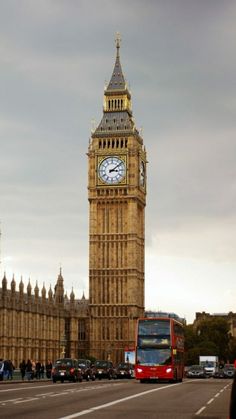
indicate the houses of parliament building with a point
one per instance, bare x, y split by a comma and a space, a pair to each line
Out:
44, 325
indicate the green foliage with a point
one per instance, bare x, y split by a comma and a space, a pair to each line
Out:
210, 337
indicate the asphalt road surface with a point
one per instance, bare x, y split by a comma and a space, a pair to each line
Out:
116, 399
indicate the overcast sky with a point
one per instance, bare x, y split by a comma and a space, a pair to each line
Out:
180, 62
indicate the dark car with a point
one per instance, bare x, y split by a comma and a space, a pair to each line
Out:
66, 369
1, 370
87, 369
226, 371
229, 371
196, 371
104, 369
124, 370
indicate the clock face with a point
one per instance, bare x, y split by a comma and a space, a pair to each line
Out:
111, 170
142, 173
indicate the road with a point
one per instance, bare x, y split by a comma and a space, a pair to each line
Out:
116, 399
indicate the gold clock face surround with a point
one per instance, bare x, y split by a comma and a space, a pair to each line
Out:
112, 170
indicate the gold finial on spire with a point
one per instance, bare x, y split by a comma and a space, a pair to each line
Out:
118, 40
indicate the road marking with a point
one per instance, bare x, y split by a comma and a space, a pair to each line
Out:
200, 410
92, 409
10, 400
26, 400
58, 394
34, 386
44, 394
210, 401
24, 388
53, 393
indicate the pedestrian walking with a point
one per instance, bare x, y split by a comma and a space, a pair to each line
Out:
29, 370
42, 371
22, 369
11, 369
37, 370
49, 369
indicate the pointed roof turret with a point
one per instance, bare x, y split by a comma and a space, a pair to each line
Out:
60, 274
36, 290
59, 289
117, 107
117, 81
72, 295
50, 294
29, 288
4, 282
43, 291
21, 286
13, 284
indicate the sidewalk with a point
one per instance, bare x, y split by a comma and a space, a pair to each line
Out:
17, 379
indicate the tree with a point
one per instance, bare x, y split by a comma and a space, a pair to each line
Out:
211, 336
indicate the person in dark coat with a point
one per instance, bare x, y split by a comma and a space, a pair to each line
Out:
11, 369
38, 369
29, 370
49, 369
22, 369
42, 371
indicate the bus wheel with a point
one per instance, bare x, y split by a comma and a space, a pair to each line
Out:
142, 380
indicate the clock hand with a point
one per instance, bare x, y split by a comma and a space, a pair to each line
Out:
114, 168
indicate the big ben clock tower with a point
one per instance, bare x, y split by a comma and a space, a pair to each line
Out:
117, 197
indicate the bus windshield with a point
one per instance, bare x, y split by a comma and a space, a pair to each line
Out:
153, 356
153, 333
154, 328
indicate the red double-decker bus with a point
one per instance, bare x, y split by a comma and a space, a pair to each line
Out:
159, 349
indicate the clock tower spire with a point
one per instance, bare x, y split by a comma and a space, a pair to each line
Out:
117, 199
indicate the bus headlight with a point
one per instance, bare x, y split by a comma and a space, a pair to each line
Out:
139, 370
168, 370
